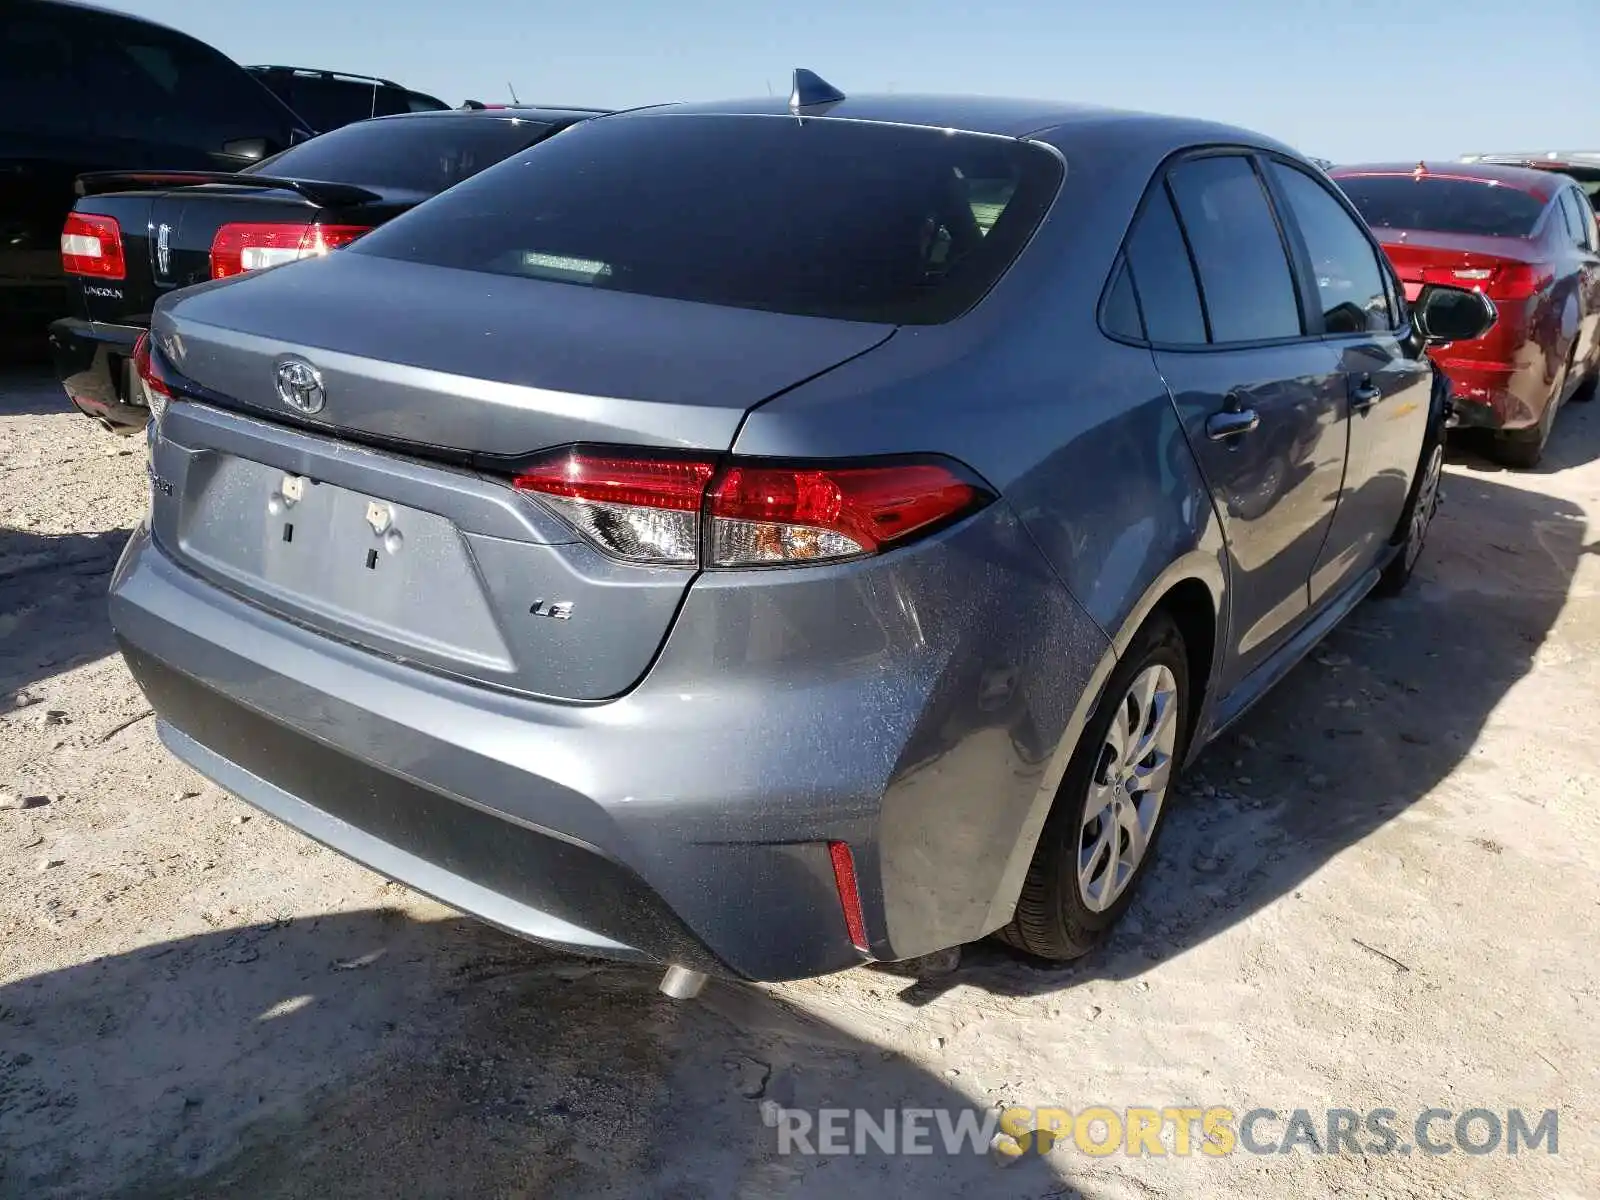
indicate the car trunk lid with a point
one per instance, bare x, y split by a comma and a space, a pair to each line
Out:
1461, 260
387, 517
169, 221
455, 362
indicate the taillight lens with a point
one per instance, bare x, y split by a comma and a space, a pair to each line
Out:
148, 370
1502, 281
665, 510
783, 515
91, 245
252, 246
643, 510
1517, 281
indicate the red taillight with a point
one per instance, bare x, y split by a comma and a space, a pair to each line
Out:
251, 246
92, 245
1498, 280
781, 514
654, 510
149, 373
844, 879
1518, 281
644, 510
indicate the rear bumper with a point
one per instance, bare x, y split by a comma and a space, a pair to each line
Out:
1499, 396
687, 822
91, 361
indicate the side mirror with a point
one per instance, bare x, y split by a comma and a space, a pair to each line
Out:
1451, 314
253, 148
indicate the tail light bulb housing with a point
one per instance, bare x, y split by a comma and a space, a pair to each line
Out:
243, 246
699, 511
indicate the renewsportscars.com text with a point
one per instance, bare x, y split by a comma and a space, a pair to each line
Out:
1214, 1132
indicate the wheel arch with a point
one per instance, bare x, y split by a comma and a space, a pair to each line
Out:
1193, 592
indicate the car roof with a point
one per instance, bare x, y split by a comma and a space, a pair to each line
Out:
318, 73
1537, 158
1580, 164
101, 10
1045, 120
513, 112
1525, 179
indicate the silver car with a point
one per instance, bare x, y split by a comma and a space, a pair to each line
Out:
764, 538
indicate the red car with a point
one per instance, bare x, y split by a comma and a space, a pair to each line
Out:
1528, 240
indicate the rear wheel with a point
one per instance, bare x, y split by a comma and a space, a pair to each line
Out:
1417, 519
1586, 389
1101, 834
1522, 449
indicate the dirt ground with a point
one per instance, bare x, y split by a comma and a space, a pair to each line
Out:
1380, 892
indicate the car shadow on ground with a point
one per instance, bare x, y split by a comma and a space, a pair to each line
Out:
30, 389
1375, 718
52, 605
1572, 443
371, 1054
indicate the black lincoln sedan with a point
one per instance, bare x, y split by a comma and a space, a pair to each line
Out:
135, 236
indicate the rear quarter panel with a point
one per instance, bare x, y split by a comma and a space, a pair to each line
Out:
1079, 436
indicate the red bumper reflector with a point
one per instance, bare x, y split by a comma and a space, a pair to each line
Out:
844, 878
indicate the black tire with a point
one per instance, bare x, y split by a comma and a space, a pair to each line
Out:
1587, 388
1521, 451
1052, 919
1422, 504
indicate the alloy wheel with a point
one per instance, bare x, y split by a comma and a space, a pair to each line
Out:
1128, 787
1427, 504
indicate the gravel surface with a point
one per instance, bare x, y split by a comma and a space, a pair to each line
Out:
1380, 892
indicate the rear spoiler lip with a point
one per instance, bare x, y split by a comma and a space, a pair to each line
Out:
320, 194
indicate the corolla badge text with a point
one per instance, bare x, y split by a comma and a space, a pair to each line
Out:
300, 385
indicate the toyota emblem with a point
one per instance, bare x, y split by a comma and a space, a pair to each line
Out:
300, 386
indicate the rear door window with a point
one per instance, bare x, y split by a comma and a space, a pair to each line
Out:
1350, 283
1163, 276
1588, 179
149, 84
85, 72
326, 103
1585, 209
413, 154
41, 90
1122, 306
1245, 282
1429, 203
1576, 211
843, 219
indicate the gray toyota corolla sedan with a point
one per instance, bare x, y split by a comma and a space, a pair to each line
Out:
767, 537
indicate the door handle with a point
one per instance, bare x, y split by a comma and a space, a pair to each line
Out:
1364, 395
1231, 422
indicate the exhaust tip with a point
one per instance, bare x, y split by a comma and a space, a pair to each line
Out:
680, 983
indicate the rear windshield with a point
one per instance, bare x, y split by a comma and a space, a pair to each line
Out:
815, 217
330, 103
427, 154
1443, 205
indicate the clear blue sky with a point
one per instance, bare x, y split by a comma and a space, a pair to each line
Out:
1360, 79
